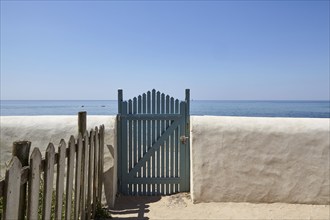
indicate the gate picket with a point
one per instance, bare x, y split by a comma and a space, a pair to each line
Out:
153, 139
134, 142
144, 99
182, 134
153, 151
187, 135
172, 150
130, 157
158, 136
139, 147
149, 140
163, 144
124, 150
177, 139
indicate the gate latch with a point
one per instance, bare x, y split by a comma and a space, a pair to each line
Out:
183, 139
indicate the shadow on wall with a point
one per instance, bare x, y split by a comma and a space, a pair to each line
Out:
132, 207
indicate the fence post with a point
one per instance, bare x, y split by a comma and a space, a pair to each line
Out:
21, 149
82, 122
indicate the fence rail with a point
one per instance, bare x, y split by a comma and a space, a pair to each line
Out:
79, 168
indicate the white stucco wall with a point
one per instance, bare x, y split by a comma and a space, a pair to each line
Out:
41, 130
233, 159
243, 159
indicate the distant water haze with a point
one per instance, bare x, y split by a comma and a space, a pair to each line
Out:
300, 109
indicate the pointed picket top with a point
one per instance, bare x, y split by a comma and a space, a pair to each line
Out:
62, 143
102, 128
50, 148
14, 163
156, 92
72, 140
36, 155
96, 130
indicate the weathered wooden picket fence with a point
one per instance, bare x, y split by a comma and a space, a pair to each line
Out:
79, 167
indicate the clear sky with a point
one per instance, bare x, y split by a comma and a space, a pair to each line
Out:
226, 50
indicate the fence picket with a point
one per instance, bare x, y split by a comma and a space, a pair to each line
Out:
48, 181
34, 184
90, 174
69, 179
60, 179
85, 157
78, 177
12, 189
95, 175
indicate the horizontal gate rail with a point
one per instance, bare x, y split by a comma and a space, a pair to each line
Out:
151, 117
153, 180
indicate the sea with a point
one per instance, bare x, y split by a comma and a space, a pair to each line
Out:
295, 109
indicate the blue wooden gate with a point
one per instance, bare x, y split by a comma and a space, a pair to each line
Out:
153, 144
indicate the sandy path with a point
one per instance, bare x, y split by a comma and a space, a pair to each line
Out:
179, 206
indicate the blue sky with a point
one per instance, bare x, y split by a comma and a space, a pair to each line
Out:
225, 50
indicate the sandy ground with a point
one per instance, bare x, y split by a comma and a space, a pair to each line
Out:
179, 206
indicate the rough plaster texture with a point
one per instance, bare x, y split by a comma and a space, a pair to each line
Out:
41, 130
241, 159
234, 159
